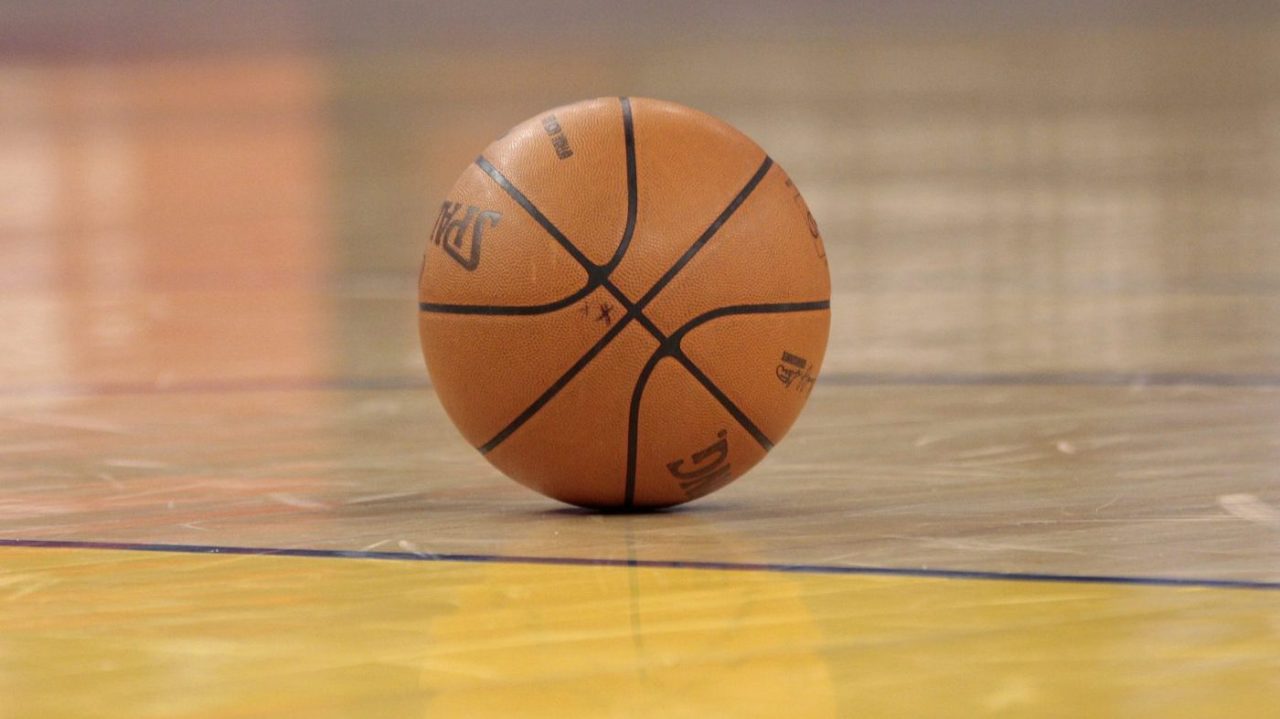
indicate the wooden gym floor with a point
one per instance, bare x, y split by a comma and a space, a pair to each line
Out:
1039, 477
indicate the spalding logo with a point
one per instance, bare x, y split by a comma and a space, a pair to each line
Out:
460, 236
711, 469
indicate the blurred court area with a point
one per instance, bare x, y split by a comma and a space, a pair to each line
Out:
1040, 475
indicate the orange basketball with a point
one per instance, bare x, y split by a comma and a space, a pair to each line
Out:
624, 303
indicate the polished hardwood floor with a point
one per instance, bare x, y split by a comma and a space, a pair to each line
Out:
1040, 475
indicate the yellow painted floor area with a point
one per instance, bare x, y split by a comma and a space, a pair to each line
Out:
152, 634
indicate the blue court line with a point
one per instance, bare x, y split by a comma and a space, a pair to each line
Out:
1191, 582
837, 379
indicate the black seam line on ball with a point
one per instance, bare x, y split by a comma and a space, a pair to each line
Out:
507, 309
769, 308
671, 348
707, 234
648, 324
633, 311
592, 268
555, 387
724, 400
633, 191
633, 424
596, 275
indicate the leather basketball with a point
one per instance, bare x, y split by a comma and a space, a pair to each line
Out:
624, 303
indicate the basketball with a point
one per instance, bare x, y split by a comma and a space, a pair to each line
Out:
624, 303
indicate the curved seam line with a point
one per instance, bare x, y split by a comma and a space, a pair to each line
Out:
634, 311
761, 308
670, 348
633, 423
596, 275
444, 308
633, 190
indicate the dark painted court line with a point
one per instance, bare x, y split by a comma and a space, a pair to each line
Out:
693, 565
836, 379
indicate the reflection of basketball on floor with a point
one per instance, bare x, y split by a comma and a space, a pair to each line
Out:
624, 303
